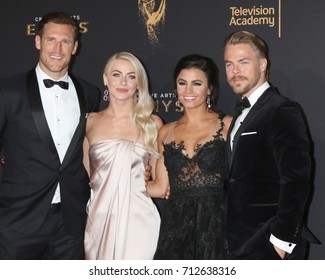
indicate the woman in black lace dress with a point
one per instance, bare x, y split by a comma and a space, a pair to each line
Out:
192, 166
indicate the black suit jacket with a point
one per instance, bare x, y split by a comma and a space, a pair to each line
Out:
269, 177
33, 169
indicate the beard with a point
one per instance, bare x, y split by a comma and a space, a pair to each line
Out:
244, 86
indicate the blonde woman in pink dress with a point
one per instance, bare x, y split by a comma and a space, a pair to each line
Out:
123, 222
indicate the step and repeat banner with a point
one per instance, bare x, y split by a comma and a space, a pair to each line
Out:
160, 32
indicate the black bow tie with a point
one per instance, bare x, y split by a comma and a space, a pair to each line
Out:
50, 83
241, 104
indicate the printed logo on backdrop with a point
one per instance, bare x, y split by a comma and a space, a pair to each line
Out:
166, 102
258, 13
31, 28
152, 14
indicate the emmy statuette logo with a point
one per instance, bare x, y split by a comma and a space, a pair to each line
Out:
152, 18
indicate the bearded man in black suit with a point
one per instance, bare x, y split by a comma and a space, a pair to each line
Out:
44, 187
269, 159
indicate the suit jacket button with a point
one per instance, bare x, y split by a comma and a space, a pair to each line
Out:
231, 180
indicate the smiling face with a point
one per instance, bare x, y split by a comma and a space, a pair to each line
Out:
56, 46
121, 79
245, 70
192, 87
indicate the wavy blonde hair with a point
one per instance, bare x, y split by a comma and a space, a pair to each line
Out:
141, 115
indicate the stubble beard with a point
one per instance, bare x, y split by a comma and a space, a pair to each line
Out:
242, 90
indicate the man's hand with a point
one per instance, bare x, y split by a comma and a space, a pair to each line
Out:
280, 252
166, 196
147, 173
147, 177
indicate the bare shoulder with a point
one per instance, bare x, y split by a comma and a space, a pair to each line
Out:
163, 132
92, 118
93, 115
159, 122
227, 120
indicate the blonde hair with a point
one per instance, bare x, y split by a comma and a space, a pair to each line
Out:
141, 115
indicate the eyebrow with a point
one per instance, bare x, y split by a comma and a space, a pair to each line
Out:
242, 59
197, 80
245, 58
122, 72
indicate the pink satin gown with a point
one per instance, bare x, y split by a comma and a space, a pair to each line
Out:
123, 222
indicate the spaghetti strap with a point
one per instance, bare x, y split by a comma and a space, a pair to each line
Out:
170, 131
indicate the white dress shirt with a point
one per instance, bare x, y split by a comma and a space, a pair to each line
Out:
286, 246
62, 112
252, 100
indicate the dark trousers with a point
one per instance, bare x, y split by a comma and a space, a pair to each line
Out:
50, 242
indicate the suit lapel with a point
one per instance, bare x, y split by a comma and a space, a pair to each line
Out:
229, 151
249, 118
38, 112
80, 130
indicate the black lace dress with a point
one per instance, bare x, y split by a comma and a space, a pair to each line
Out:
193, 218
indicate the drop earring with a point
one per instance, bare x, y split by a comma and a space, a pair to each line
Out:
209, 100
106, 94
136, 96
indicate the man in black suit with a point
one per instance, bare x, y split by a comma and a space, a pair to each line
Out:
44, 187
269, 159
